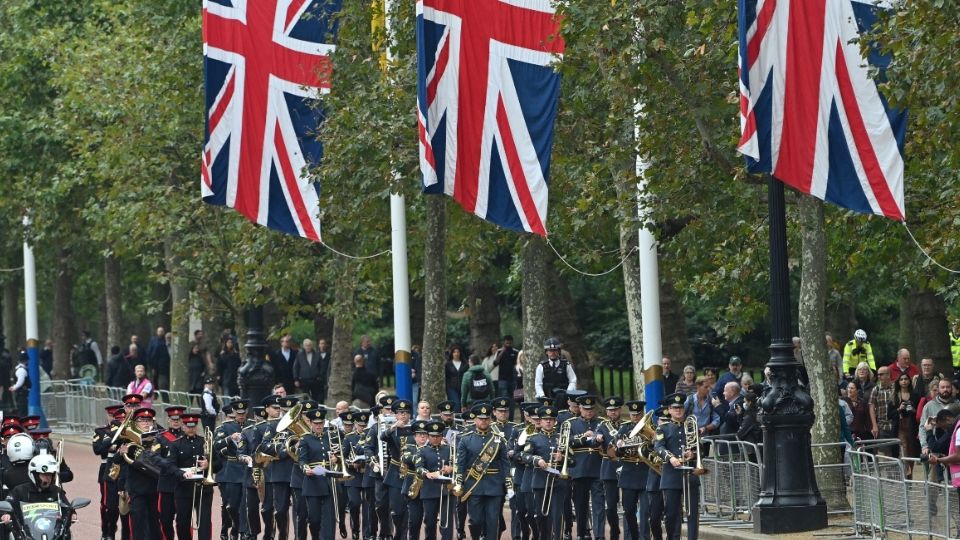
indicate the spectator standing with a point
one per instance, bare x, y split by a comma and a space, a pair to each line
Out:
931, 395
119, 371
944, 398
487, 362
158, 358
921, 382
21, 384
749, 430
134, 342
865, 378
308, 370
476, 384
453, 371
688, 381
88, 352
670, 379
363, 384
860, 407
141, 385
907, 422
6, 371
883, 412
46, 357
726, 406
371, 357
903, 364
747, 385
711, 374
699, 404
952, 461
506, 365
416, 363
734, 374
836, 359
283, 360
228, 362
196, 369
858, 350
133, 357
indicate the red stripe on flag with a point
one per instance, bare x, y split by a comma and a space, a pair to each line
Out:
425, 142
763, 24
293, 187
221, 106
801, 96
205, 169
516, 172
292, 11
438, 70
868, 157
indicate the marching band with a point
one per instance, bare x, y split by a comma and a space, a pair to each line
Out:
288, 471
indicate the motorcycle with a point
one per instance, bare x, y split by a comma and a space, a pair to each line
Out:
43, 520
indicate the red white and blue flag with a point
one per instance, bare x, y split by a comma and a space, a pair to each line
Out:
810, 113
264, 62
486, 104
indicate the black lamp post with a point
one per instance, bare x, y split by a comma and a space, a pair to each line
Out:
255, 376
789, 499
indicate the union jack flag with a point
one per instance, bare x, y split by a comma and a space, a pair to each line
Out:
264, 61
486, 104
810, 113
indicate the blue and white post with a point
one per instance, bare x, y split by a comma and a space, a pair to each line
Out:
402, 359
34, 406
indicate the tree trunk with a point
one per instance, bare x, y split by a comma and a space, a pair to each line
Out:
907, 336
931, 330
841, 322
417, 324
675, 342
112, 276
64, 335
179, 322
323, 326
631, 290
534, 266
341, 348
12, 322
821, 371
562, 323
432, 387
484, 316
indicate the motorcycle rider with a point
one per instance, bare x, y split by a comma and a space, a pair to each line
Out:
43, 470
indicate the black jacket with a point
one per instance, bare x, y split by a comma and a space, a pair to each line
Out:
119, 372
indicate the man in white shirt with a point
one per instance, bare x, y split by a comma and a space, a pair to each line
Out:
21, 387
554, 372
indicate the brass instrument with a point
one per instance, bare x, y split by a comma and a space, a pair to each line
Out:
691, 437
380, 466
563, 448
136, 456
642, 437
415, 486
263, 459
128, 430
208, 452
527, 432
336, 448
294, 426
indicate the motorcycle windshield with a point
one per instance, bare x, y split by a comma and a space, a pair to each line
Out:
40, 519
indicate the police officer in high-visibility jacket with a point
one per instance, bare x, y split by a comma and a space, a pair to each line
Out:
858, 350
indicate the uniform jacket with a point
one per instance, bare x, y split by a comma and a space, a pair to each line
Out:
312, 451
496, 477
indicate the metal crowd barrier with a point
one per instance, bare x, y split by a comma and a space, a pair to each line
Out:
77, 405
732, 486
888, 502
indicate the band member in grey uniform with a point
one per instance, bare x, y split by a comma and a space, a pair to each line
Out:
544, 459
316, 460
434, 464
586, 470
608, 430
670, 447
633, 478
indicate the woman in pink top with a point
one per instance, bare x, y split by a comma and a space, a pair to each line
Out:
141, 385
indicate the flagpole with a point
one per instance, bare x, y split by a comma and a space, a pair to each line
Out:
34, 406
401, 280
653, 391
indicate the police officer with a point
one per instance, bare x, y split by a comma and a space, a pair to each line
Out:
670, 447
543, 457
278, 481
633, 477
228, 443
167, 485
586, 469
609, 429
483, 471
316, 460
434, 467
553, 371
397, 438
192, 497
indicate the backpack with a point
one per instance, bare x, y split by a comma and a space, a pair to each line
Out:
479, 385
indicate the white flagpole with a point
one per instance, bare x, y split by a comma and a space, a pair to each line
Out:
653, 391
34, 407
401, 280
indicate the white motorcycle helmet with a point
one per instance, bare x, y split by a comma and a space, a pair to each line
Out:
20, 448
44, 463
860, 335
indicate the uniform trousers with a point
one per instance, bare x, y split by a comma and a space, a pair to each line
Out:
192, 501
655, 513
398, 511
300, 518
550, 523
109, 508
434, 515
320, 516
231, 494
583, 490
611, 498
673, 506
635, 514
342, 507
414, 518
355, 505
485, 514
369, 509
382, 506
281, 507
144, 517
251, 503
266, 512
167, 510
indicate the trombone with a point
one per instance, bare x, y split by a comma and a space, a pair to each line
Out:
207, 480
563, 447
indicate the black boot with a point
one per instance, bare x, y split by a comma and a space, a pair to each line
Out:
281, 527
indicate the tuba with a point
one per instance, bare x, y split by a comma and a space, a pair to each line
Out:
641, 438
295, 426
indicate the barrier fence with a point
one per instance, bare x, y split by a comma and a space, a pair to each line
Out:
78, 405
